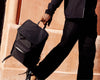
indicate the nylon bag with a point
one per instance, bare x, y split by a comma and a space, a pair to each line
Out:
29, 44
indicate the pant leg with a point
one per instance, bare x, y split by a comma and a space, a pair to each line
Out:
87, 50
59, 53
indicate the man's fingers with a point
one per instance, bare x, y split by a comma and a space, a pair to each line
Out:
44, 21
45, 18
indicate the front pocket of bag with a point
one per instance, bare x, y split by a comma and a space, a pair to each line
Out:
23, 46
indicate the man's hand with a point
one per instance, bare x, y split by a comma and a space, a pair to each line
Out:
45, 18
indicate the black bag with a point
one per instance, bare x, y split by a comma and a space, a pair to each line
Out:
29, 44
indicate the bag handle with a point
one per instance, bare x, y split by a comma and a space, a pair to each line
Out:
6, 58
44, 24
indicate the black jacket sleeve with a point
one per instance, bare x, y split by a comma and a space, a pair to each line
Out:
53, 5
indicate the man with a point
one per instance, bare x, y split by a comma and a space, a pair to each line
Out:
2, 10
81, 25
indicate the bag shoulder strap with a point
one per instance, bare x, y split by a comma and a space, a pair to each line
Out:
6, 58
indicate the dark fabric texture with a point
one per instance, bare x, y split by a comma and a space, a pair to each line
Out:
73, 8
29, 43
81, 25
72, 32
32, 32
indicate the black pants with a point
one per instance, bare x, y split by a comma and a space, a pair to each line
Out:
2, 10
83, 31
